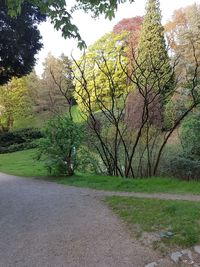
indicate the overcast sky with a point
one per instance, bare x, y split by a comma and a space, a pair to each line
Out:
91, 29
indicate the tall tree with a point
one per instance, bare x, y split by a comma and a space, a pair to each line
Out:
183, 33
20, 40
57, 80
152, 50
53, 91
152, 67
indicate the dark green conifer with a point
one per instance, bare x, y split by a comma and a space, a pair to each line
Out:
155, 69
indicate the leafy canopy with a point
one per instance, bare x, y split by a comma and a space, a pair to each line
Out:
60, 12
103, 73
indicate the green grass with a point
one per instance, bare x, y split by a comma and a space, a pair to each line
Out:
176, 222
39, 120
32, 121
76, 113
150, 185
23, 163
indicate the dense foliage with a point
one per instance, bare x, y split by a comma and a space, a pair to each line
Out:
152, 52
20, 40
19, 140
133, 27
190, 137
150, 73
62, 138
102, 62
14, 102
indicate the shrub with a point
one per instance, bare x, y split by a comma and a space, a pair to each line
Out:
190, 136
183, 168
89, 161
185, 163
19, 140
62, 138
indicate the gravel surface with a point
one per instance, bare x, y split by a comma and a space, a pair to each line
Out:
44, 224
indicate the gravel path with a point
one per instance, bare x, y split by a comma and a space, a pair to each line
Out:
166, 196
44, 224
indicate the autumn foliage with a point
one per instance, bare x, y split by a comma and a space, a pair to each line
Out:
133, 27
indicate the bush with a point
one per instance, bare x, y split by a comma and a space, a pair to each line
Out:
62, 138
19, 140
185, 163
176, 163
190, 136
183, 168
89, 161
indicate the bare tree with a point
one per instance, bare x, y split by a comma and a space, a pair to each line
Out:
134, 151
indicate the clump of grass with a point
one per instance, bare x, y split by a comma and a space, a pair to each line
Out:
179, 218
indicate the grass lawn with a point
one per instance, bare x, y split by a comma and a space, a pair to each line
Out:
39, 120
36, 121
176, 223
24, 163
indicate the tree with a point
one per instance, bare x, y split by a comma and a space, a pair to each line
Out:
37, 95
133, 152
133, 27
20, 40
183, 34
152, 65
53, 92
101, 60
61, 12
13, 102
57, 82
152, 50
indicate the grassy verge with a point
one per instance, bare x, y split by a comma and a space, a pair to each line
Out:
24, 163
174, 223
149, 185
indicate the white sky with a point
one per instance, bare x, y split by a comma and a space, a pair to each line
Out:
91, 29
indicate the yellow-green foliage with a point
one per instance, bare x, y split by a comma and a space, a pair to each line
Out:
13, 102
104, 77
